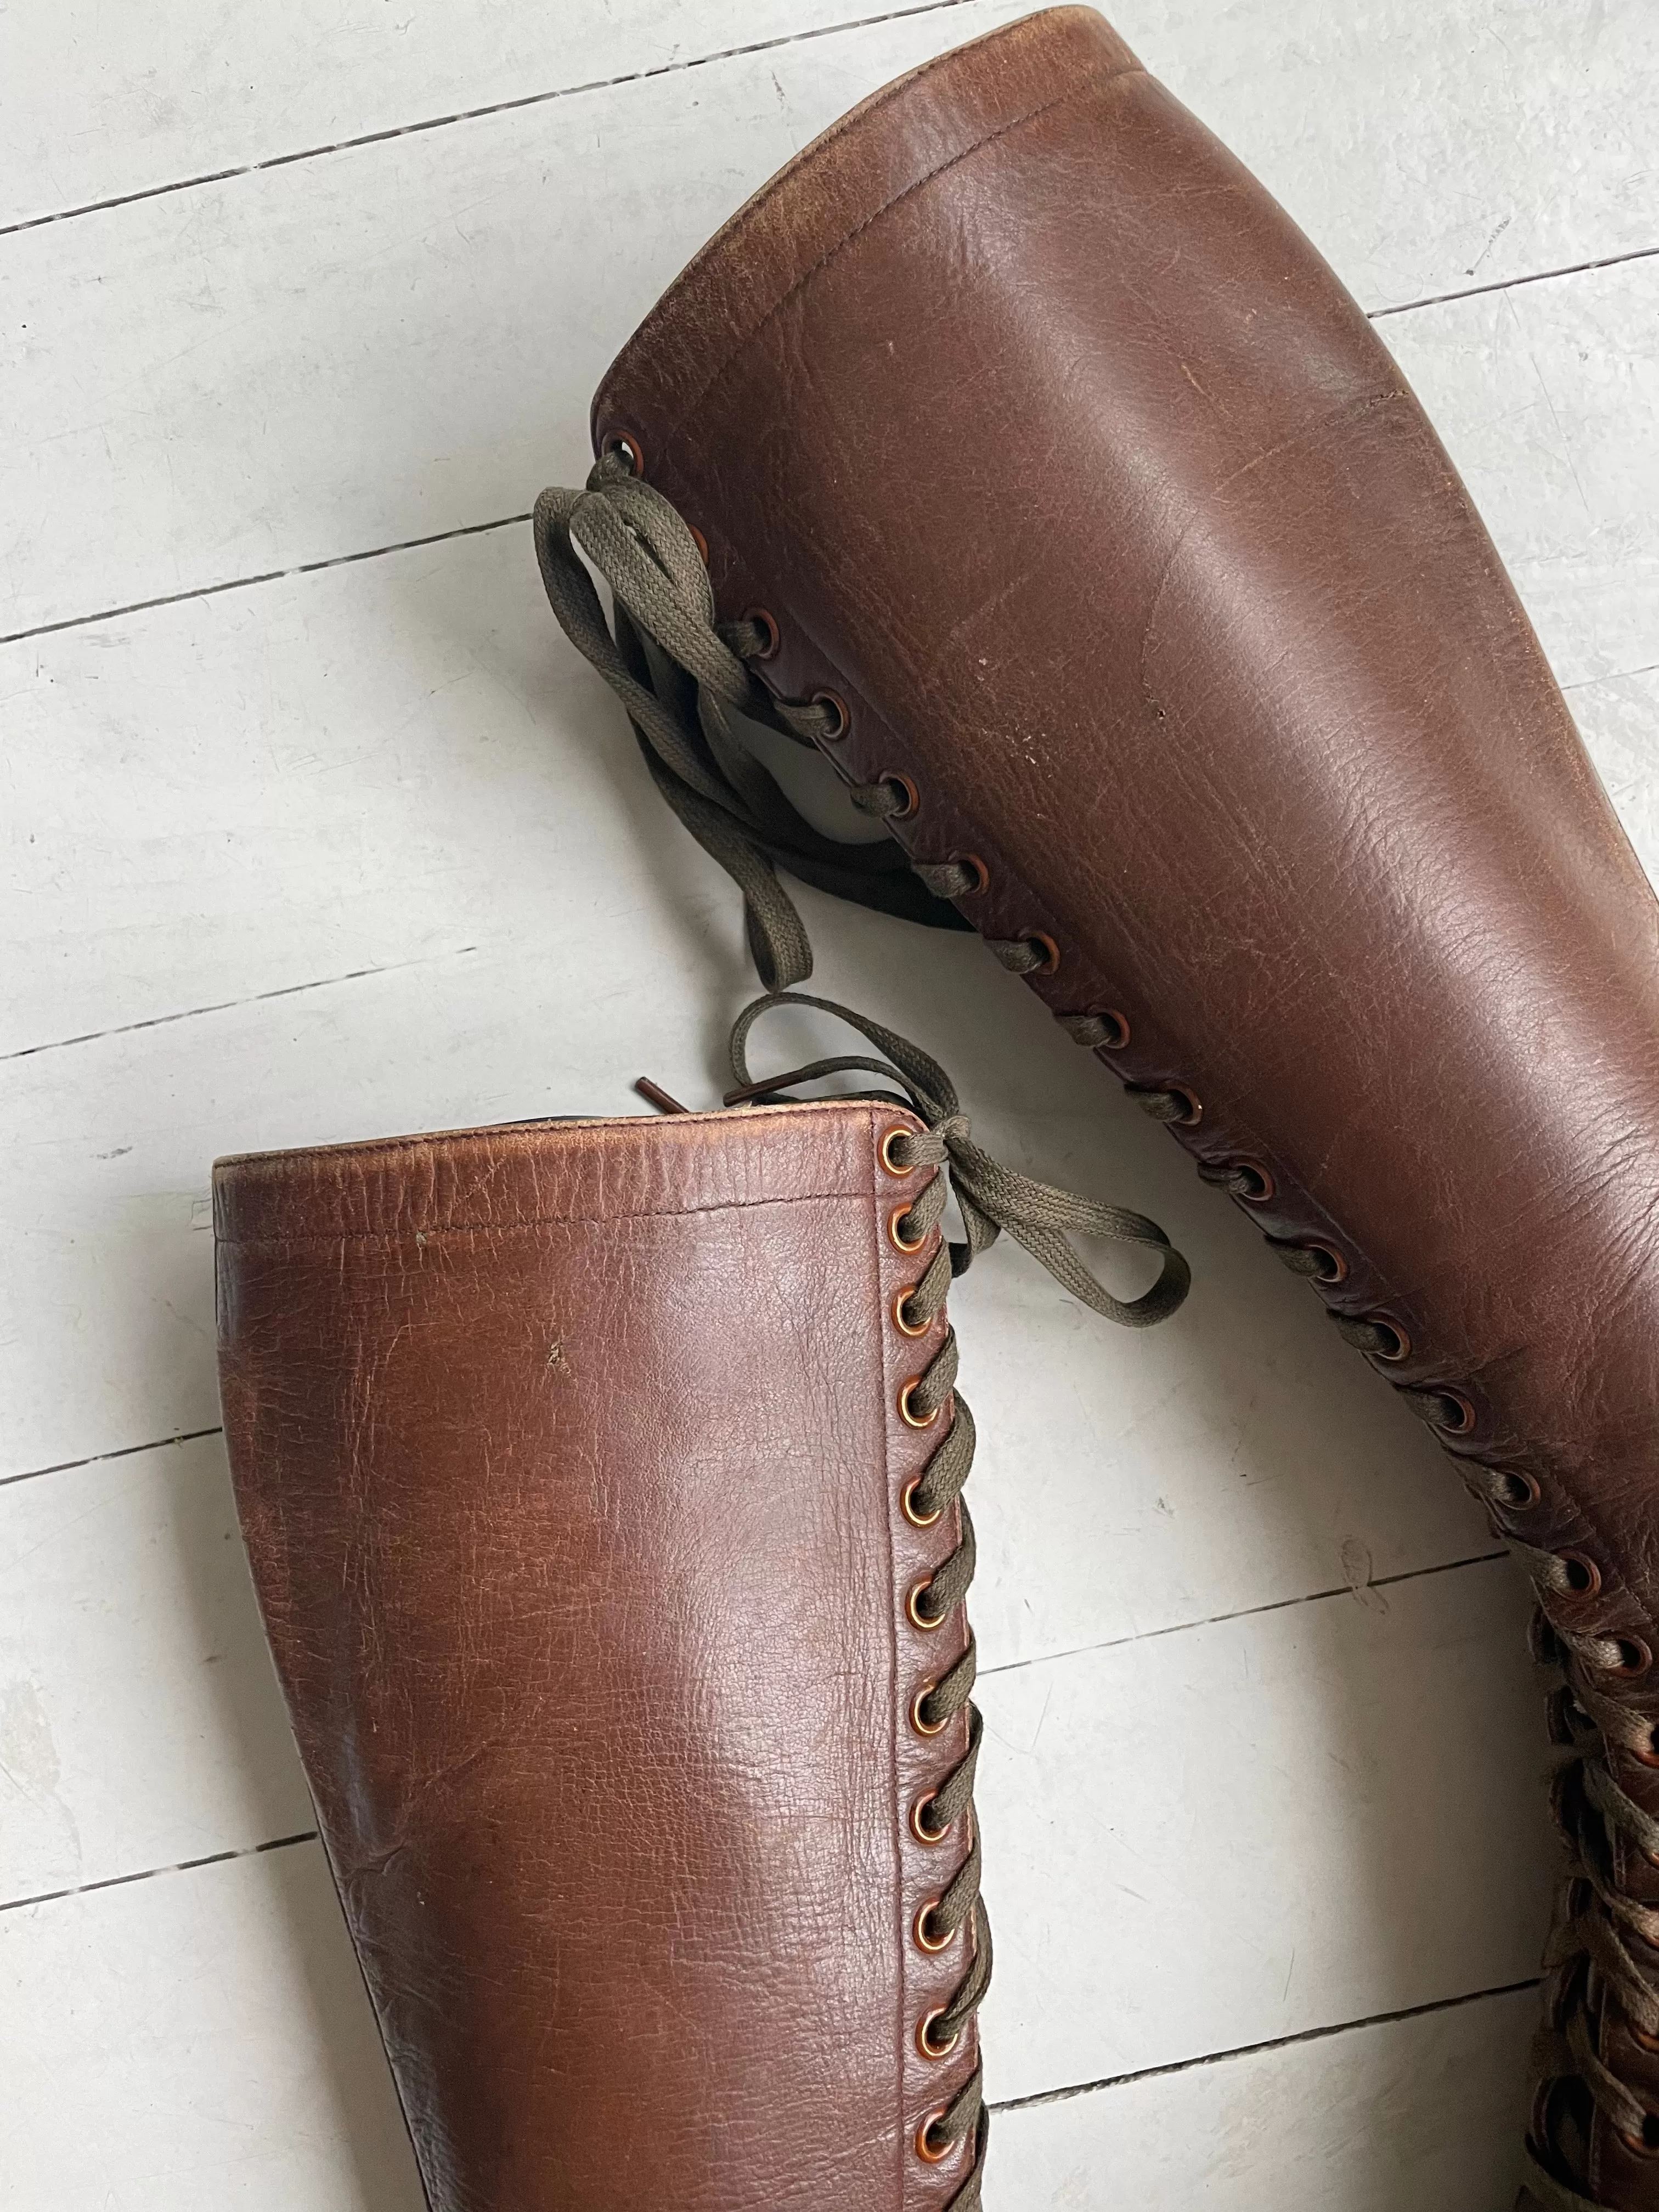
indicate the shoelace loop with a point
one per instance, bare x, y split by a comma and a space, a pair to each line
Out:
681, 675
989, 1196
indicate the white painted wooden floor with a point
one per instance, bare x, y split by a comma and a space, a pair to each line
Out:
315, 829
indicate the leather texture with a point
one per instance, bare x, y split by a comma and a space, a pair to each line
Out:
569, 1466
1062, 459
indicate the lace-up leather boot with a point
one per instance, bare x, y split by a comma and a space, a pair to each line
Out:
601, 1486
1051, 483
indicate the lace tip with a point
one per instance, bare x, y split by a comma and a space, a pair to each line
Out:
654, 1094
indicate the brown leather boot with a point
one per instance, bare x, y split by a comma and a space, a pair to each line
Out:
1050, 483
601, 1482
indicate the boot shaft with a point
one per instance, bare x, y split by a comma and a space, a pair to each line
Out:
573, 1472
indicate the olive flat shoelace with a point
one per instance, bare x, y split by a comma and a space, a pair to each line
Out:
680, 675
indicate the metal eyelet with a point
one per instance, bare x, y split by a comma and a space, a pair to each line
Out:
700, 541
1527, 1486
887, 1143
928, 2146
837, 707
624, 441
972, 861
899, 1244
1464, 1410
912, 796
1335, 1267
768, 623
920, 1726
914, 1420
1590, 1574
1051, 951
931, 1944
1263, 1189
919, 1828
1192, 1111
925, 1622
1630, 1670
1402, 1343
919, 1520
1641, 2144
925, 2043
908, 1328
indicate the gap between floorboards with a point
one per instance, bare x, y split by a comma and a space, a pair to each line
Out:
473, 115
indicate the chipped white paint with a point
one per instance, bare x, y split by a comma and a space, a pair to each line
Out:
381, 823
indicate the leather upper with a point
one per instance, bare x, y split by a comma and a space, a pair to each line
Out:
1060, 457
569, 1467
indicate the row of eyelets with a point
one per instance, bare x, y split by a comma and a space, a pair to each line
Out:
932, 2147
1625, 1656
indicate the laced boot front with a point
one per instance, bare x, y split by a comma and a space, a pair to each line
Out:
1014, 449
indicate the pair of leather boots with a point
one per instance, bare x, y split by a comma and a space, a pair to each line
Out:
602, 1480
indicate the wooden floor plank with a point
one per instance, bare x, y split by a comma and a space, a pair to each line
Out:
1203, 1841
1423, 2114
200, 2042
106, 103
140, 1721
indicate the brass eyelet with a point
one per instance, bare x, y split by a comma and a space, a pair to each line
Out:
1192, 1105
624, 441
1464, 1410
908, 1328
920, 1726
1120, 1024
768, 623
931, 1944
1640, 2144
919, 1828
922, 1620
918, 1520
1590, 1580
887, 1143
1402, 1343
1529, 1489
911, 1419
898, 1243
928, 2146
912, 796
1631, 1670
1050, 951
1639, 2035
925, 2043
983, 874
700, 541
1335, 1267
1264, 1182
837, 707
